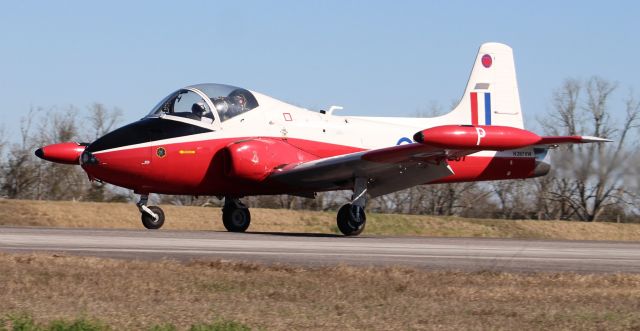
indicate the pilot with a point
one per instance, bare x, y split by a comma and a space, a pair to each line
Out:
241, 101
222, 106
198, 109
238, 105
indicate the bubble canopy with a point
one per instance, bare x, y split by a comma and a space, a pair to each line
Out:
206, 102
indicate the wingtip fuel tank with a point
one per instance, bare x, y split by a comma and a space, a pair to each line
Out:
484, 137
65, 153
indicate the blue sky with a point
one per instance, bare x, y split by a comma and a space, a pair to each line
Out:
381, 58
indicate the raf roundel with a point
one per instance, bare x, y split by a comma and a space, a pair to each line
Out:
487, 61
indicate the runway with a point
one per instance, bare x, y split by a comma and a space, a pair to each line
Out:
466, 254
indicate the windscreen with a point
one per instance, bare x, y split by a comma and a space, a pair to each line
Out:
184, 103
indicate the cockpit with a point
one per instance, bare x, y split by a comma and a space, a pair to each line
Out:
206, 103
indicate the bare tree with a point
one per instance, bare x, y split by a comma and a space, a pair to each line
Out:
102, 120
513, 199
431, 109
59, 181
589, 178
632, 178
3, 166
565, 110
26, 177
445, 199
3, 140
19, 169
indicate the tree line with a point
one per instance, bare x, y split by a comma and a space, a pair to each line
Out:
24, 176
591, 182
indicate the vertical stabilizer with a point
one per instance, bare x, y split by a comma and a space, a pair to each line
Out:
491, 96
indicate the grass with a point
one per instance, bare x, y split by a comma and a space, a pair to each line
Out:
24, 322
99, 294
126, 216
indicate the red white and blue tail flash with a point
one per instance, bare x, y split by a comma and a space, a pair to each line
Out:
480, 108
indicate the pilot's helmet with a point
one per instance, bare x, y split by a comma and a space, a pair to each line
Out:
240, 100
221, 105
198, 108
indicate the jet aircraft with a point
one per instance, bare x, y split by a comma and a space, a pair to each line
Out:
227, 141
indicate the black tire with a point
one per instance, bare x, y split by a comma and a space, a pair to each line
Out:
236, 219
351, 220
151, 223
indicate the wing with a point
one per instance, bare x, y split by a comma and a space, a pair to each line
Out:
388, 169
395, 168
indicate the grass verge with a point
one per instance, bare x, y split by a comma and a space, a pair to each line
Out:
167, 295
24, 322
122, 215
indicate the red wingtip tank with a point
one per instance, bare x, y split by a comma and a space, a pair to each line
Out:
480, 137
65, 153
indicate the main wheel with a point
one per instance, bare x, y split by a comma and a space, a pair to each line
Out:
151, 223
236, 219
351, 220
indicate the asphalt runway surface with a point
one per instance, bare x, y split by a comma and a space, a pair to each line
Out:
465, 254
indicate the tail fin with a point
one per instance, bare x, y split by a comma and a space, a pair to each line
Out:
491, 96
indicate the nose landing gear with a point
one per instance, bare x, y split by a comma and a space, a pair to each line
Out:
152, 216
235, 215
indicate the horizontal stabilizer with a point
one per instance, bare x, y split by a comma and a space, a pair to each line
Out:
554, 140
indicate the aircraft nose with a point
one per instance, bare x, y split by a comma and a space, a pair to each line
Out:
40, 153
131, 134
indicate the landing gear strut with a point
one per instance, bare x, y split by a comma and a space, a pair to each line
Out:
351, 217
235, 215
152, 216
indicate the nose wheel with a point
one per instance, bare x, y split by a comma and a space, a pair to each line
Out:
235, 215
152, 216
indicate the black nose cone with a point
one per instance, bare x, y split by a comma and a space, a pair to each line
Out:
40, 153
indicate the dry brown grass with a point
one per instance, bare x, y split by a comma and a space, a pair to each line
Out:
121, 215
138, 294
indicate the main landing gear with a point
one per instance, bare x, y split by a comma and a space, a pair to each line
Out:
235, 215
351, 217
152, 216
